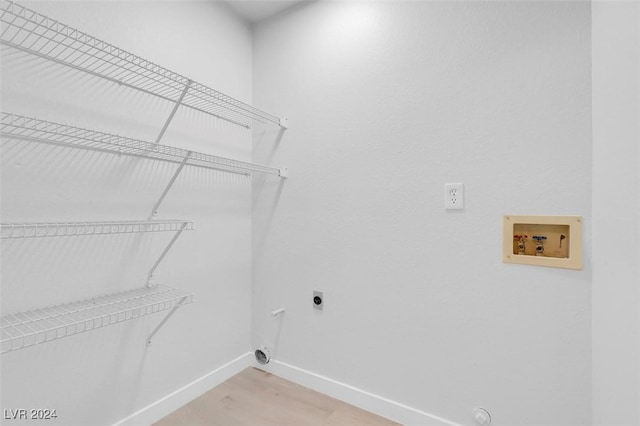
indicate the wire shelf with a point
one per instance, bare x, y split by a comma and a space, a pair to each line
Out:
29, 31
24, 329
33, 129
71, 229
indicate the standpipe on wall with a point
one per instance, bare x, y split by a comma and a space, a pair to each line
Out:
263, 354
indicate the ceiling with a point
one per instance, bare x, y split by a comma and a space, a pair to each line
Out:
256, 10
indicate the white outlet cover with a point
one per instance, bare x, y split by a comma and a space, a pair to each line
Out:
454, 196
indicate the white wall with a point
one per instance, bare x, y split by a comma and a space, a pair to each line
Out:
387, 102
103, 376
616, 211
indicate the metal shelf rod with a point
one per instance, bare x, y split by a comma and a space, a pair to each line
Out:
24, 329
173, 112
36, 130
74, 229
154, 210
36, 34
164, 253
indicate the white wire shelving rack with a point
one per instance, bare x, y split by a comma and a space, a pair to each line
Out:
36, 130
24, 329
35, 34
72, 229
42, 325
29, 31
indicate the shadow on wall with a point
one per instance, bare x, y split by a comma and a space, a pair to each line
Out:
265, 146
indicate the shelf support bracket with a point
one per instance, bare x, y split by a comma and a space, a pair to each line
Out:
154, 210
173, 112
164, 253
165, 319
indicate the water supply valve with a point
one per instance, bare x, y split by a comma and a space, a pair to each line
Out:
539, 244
520, 243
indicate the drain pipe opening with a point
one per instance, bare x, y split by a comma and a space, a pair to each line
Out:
262, 355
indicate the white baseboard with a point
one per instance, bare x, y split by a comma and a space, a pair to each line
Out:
167, 405
376, 404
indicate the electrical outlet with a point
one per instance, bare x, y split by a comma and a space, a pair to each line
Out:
454, 196
318, 300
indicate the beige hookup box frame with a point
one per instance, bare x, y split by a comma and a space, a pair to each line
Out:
554, 241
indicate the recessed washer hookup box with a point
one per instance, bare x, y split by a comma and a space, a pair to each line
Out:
554, 241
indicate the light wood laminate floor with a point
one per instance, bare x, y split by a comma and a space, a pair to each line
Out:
257, 398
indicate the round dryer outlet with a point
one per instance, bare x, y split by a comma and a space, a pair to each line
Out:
318, 300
